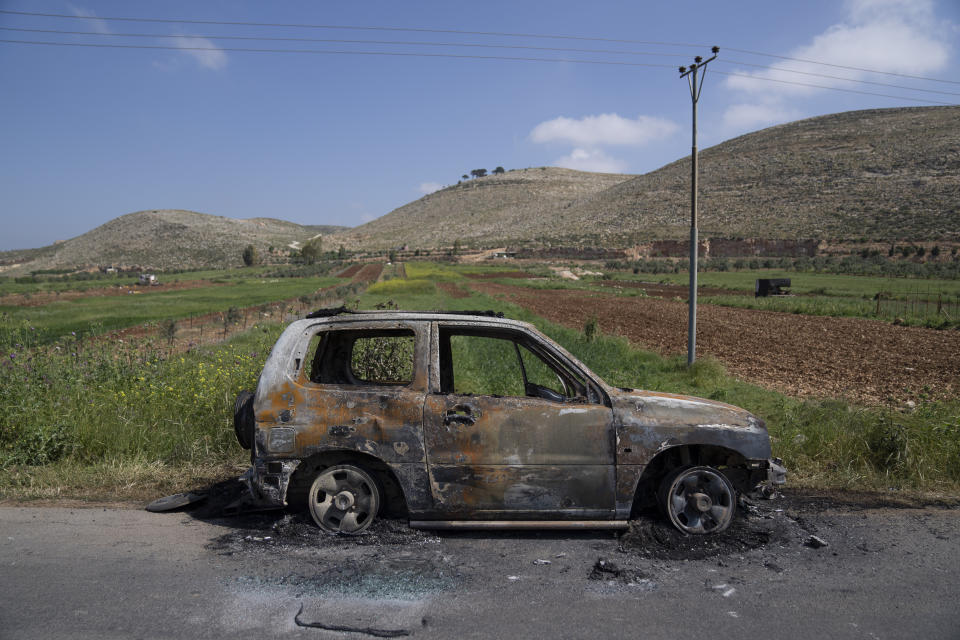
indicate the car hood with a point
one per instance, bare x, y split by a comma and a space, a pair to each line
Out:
655, 421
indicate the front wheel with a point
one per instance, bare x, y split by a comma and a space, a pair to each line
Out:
698, 500
344, 499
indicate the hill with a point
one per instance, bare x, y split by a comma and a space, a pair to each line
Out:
879, 174
164, 239
489, 210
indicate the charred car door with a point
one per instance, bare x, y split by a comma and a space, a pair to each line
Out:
512, 431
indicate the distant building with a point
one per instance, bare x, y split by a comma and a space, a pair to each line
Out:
148, 279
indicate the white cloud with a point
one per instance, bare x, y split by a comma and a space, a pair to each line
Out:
603, 129
100, 26
429, 187
207, 54
590, 160
900, 36
746, 117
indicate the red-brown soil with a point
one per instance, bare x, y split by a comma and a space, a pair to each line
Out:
453, 290
369, 272
350, 271
42, 298
862, 360
521, 275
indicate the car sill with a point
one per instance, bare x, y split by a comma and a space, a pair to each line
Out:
519, 524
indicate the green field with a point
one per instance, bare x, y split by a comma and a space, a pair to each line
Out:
100, 280
95, 314
827, 284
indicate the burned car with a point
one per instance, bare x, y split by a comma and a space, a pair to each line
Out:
472, 420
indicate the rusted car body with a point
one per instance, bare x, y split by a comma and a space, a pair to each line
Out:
558, 447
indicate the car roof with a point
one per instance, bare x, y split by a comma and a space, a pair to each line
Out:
347, 316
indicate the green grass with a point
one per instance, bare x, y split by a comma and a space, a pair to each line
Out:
77, 416
95, 314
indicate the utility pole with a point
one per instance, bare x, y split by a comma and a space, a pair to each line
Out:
696, 86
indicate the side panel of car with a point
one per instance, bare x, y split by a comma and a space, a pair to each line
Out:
517, 455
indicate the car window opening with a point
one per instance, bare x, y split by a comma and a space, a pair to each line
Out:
378, 358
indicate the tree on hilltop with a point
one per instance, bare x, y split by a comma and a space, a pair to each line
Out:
478, 173
499, 170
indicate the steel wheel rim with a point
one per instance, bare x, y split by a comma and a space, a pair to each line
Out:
343, 500
700, 501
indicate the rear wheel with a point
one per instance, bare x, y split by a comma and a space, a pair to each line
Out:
698, 500
344, 499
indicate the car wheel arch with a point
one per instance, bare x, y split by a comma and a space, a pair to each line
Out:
728, 461
393, 500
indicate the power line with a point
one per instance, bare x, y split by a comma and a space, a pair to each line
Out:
824, 75
464, 32
840, 66
347, 41
343, 27
465, 45
335, 52
829, 88
454, 56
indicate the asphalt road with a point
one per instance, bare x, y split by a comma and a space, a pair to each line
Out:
887, 572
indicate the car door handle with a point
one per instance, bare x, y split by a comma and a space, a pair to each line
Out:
461, 414
461, 419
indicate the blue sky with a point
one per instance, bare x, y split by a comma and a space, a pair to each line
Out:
91, 133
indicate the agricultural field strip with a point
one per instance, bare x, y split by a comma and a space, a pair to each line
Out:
110, 313
806, 282
910, 302
100, 281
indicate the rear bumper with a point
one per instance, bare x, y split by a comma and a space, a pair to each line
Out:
268, 482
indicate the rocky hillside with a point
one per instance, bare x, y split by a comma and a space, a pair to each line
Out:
164, 239
880, 174
484, 211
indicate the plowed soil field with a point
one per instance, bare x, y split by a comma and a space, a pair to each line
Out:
369, 273
863, 360
350, 271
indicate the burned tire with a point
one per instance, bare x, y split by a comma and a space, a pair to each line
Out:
344, 499
698, 500
243, 419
